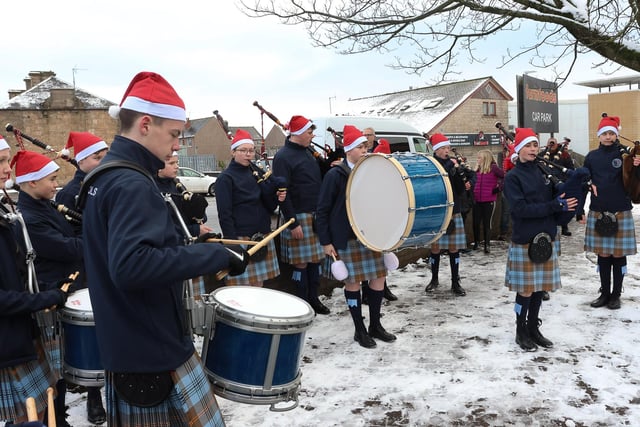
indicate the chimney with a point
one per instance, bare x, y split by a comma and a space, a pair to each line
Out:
14, 92
37, 77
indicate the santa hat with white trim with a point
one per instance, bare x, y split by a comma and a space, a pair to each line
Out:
352, 137
149, 93
299, 124
32, 166
609, 123
523, 137
84, 144
438, 140
3, 143
241, 137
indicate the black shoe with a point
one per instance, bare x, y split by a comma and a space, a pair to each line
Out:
319, 307
537, 337
381, 334
474, 246
487, 250
457, 289
388, 295
545, 296
601, 301
566, 232
614, 303
433, 284
364, 339
524, 340
95, 411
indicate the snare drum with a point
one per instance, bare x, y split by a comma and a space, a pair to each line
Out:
398, 200
81, 361
255, 345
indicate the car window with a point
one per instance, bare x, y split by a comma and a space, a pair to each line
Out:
189, 173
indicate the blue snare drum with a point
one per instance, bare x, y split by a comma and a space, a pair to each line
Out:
81, 361
398, 200
255, 345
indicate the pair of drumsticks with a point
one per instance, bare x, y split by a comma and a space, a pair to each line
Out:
32, 411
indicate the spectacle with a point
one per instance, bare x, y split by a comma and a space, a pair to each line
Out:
245, 151
368, 134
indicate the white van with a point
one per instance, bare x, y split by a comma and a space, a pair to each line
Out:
402, 136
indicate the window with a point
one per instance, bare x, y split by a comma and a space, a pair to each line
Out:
488, 108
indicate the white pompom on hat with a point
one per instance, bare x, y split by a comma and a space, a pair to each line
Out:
241, 137
609, 123
352, 137
84, 144
32, 166
149, 93
438, 140
523, 137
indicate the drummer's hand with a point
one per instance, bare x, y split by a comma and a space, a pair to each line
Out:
467, 185
63, 290
594, 190
205, 229
329, 250
636, 160
297, 233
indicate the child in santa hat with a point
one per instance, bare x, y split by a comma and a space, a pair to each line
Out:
338, 240
532, 262
610, 206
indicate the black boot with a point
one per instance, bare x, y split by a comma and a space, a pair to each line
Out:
619, 269
536, 336
355, 309
313, 283
434, 262
486, 246
545, 296
522, 332
364, 287
95, 411
604, 269
454, 260
565, 230
377, 331
375, 328
388, 295
363, 338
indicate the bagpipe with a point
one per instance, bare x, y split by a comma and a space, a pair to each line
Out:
573, 183
192, 207
630, 173
18, 134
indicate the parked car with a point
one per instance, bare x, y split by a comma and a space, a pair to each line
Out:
196, 182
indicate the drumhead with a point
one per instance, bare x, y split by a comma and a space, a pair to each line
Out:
79, 301
380, 203
262, 302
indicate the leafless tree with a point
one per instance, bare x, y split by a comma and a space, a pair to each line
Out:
439, 31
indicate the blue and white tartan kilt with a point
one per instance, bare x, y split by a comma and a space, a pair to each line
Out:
190, 403
30, 379
454, 241
199, 287
258, 272
622, 244
362, 263
524, 276
308, 249
52, 341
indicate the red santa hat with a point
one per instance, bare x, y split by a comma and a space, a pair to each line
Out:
149, 93
352, 137
32, 166
609, 123
84, 144
383, 147
438, 140
3, 143
523, 137
241, 137
299, 124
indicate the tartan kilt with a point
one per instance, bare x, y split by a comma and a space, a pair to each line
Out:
302, 251
454, 241
524, 276
622, 244
190, 403
52, 341
362, 263
30, 379
258, 272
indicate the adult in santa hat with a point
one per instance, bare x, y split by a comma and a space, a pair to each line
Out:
454, 239
532, 263
137, 261
299, 243
610, 231
338, 240
245, 206
383, 147
59, 251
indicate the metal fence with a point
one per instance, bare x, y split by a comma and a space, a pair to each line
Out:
200, 163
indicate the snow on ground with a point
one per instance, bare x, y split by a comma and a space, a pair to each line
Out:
455, 361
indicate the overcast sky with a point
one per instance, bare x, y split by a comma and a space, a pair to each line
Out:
216, 58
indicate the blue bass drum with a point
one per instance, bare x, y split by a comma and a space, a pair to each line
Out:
398, 200
81, 360
253, 351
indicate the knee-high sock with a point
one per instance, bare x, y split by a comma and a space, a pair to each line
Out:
434, 262
454, 260
604, 268
375, 302
534, 308
313, 277
521, 308
355, 308
59, 402
619, 270
299, 277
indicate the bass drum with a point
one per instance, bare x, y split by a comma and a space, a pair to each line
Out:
398, 200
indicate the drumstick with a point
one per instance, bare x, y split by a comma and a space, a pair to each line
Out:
232, 241
51, 410
65, 287
32, 411
221, 274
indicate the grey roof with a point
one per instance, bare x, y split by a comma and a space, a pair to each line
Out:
423, 107
194, 126
613, 81
34, 98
